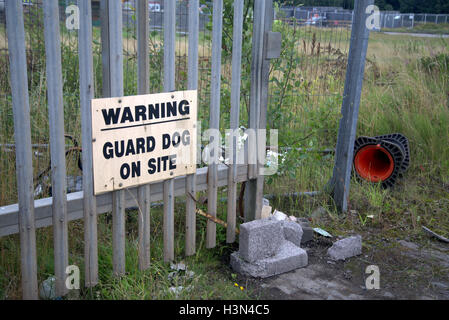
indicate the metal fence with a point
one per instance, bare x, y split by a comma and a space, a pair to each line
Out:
320, 52
35, 49
334, 16
319, 16
29, 213
309, 75
410, 20
157, 16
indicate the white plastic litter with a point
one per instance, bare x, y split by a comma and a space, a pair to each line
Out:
322, 232
279, 215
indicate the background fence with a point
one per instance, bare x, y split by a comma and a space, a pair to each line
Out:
335, 16
411, 20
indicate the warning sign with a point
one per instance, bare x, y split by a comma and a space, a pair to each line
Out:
142, 139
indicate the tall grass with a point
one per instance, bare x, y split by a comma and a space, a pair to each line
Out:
409, 94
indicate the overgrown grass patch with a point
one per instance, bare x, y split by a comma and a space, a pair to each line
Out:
431, 28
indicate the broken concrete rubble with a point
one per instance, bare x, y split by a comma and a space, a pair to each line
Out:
279, 215
288, 258
346, 248
292, 232
307, 230
269, 247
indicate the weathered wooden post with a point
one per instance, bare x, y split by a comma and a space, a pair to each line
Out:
340, 181
57, 142
169, 85
214, 119
192, 84
234, 121
115, 75
22, 135
143, 87
86, 96
106, 78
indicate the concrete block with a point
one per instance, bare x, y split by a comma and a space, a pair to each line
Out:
307, 230
260, 239
292, 232
239, 265
307, 234
304, 222
288, 258
346, 248
266, 212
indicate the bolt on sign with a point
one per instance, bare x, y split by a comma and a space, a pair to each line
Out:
142, 139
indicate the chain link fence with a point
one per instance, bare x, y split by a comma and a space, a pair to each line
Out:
335, 16
410, 20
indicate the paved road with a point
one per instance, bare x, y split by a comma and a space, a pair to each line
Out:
421, 35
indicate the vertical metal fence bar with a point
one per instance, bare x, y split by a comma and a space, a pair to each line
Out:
169, 224
87, 90
234, 121
22, 134
57, 141
143, 197
256, 67
262, 124
116, 83
214, 122
106, 78
169, 85
192, 84
252, 206
143, 79
118, 232
341, 178
143, 30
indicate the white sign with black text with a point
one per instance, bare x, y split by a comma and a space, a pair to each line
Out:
142, 139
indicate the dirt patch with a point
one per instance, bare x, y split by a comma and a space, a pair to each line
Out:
405, 273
